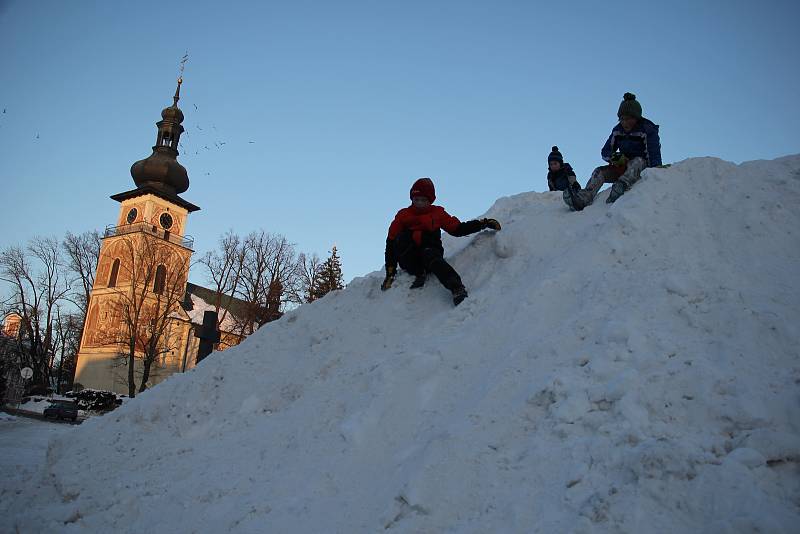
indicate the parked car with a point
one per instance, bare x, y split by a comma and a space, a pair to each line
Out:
61, 410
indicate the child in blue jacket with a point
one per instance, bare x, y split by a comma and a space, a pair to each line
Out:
560, 175
632, 146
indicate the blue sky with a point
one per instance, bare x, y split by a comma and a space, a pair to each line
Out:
328, 111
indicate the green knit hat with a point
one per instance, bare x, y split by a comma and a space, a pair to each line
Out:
630, 106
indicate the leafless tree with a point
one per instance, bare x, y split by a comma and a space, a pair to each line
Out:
264, 272
67, 331
38, 283
224, 268
307, 275
268, 272
83, 253
152, 285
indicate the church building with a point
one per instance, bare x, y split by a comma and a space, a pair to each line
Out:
142, 309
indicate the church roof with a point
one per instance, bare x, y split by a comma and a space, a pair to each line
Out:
147, 189
199, 299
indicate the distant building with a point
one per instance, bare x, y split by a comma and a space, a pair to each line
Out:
11, 325
152, 217
13, 352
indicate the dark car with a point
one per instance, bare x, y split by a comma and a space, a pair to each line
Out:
62, 410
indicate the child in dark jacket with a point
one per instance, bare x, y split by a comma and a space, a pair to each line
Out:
633, 146
560, 175
415, 240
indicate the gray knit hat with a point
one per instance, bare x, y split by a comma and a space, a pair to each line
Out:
630, 106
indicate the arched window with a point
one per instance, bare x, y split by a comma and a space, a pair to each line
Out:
161, 275
112, 280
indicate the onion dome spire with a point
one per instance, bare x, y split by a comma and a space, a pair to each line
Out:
161, 169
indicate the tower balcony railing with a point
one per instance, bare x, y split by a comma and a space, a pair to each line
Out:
186, 241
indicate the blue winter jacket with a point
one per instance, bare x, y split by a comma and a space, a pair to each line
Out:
642, 141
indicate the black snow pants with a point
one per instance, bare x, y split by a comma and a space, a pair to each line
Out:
420, 260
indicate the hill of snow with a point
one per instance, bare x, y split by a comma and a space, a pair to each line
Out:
630, 368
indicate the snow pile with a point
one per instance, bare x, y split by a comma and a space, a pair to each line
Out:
633, 367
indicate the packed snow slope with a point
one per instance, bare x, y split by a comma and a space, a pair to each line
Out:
630, 368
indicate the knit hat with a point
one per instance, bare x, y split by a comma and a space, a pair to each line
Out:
423, 188
630, 106
555, 155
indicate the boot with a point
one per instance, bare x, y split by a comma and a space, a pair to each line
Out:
419, 281
617, 190
574, 199
459, 294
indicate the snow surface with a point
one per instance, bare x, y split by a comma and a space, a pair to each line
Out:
23, 446
630, 368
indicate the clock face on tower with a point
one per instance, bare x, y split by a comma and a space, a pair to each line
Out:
132, 215
165, 220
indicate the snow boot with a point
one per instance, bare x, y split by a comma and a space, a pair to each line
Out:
573, 199
419, 281
617, 190
459, 294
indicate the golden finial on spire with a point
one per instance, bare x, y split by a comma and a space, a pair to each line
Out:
177, 96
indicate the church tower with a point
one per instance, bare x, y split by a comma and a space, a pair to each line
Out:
143, 265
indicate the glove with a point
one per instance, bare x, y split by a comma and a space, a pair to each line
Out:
575, 186
491, 223
391, 270
618, 159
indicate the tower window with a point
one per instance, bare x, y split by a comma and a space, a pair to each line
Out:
112, 280
161, 275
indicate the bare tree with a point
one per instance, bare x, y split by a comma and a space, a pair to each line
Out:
224, 268
152, 283
68, 328
83, 253
307, 274
269, 270
36, 276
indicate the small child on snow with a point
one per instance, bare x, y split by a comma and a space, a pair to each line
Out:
560, 175
415, 240
633, 146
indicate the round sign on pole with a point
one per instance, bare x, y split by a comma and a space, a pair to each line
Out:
26, 372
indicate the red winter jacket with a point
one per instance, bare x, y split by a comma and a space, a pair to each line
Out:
431, 219
425, 227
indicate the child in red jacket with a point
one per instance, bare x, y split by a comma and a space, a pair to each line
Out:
415, 240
